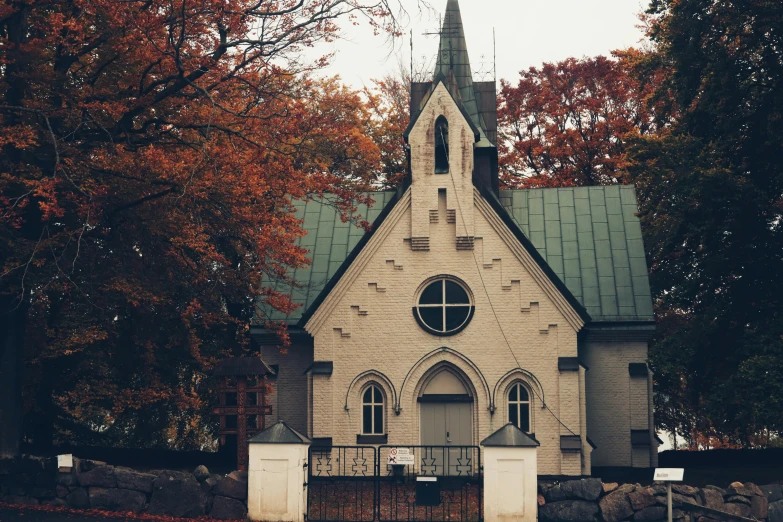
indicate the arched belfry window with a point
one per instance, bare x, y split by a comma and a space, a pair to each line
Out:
519, 407
441, 145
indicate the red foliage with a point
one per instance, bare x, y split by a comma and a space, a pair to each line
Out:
124, 515
150, 156
567, 124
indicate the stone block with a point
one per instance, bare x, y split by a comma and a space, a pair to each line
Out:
177, 494
89, 465
650, 514
62, 491
641, 498
677, 500
716, 488
67, 479
116, 499
567, 511
20, 499
136, 480
773, 492
232, 486
684, 489
201, 473
610, 486
738, 499
225, 508
585, 489
775, 513
711, 498
615, 506
746, 490
759, 507
78, 498
99, 476
742, 510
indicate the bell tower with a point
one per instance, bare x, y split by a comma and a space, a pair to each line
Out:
452, 137
479, 99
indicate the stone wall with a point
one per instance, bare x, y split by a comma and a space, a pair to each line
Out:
97, 485
592, 500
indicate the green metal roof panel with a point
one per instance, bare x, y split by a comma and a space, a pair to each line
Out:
592, 240
329, 241
589, 236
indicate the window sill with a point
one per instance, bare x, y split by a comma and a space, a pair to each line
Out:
372, 439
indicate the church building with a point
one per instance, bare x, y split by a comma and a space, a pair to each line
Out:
467, 307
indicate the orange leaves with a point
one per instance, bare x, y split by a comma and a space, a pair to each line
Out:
566, 124
140, 234
19, 137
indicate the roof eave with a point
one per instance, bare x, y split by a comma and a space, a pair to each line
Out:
307, 314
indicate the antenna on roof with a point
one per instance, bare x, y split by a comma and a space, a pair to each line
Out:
494, 58
411, 55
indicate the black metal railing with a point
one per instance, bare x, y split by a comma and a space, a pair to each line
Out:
458, 481
341, 485
358, 484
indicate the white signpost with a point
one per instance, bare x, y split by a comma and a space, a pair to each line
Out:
400, 456
64, 463
669, 475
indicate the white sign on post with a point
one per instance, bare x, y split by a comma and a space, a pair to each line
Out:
400, 456
669, 474
64, 462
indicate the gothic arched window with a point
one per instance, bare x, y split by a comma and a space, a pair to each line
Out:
519, 407
441, 145
372, 411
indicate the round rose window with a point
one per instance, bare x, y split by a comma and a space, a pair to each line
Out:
444, 307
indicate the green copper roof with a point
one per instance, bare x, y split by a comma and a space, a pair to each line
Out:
589, 236
329, 241
592, 240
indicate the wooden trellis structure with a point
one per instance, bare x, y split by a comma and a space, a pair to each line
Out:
238, 401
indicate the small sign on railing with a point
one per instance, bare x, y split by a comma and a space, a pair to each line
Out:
400, 456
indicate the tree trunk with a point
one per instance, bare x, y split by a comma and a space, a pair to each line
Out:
12, 324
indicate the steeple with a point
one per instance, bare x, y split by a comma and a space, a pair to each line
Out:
453, 67
476, 101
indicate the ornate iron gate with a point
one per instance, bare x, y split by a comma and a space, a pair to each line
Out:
357, 484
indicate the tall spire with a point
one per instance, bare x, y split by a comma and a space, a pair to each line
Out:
453, 64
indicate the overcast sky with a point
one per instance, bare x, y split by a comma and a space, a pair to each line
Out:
527, 33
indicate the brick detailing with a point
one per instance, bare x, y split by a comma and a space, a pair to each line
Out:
451, 216
420, 243
464, 242
393, 264
433, 216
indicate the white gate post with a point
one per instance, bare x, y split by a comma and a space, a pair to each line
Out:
277, 475
510, 476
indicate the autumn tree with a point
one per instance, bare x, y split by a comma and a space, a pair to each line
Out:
710, 189
149, 154
568, 123
388, 101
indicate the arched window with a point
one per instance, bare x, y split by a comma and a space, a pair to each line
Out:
519, 407
372, 411
441, 145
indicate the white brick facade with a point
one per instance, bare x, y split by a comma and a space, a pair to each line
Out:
522, 326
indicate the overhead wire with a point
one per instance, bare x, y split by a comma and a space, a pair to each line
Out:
494, 313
